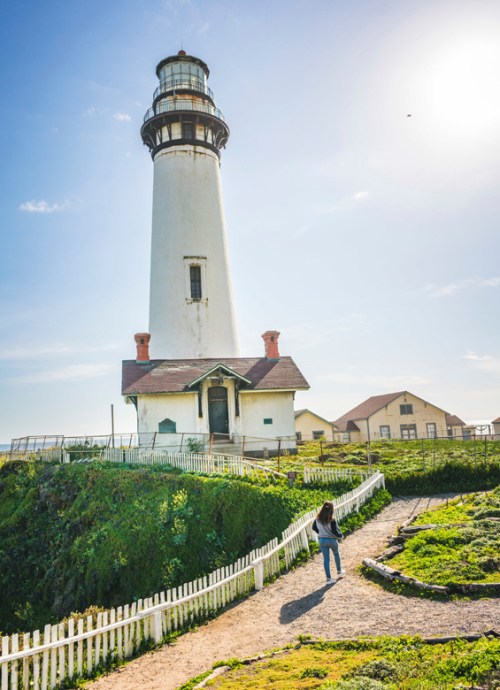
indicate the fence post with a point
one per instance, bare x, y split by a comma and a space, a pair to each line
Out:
5, 667
305, 540
157, 630
258, 569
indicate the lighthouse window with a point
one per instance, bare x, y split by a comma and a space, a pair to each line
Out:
187, 130
195, 276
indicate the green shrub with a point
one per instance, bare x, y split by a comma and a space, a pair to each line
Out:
314, 672
455, 554
78, 535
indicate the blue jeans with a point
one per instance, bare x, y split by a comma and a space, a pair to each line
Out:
325, 546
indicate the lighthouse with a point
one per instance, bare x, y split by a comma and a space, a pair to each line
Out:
191, 310
195, 385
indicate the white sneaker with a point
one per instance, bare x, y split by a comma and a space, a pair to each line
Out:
341, 574
330, 581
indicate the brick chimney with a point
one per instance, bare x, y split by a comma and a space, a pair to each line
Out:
142, 344
271, 344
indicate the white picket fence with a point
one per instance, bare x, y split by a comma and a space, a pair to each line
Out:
205, 463
326, 475
71, 649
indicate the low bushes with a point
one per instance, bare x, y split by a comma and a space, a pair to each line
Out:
105, 535
463, 549
384, 663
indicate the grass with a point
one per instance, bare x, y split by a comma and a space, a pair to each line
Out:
410, 467
463, 549
385, 663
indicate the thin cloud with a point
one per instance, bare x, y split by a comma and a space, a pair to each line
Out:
477, 358
204, 28
122, 117
492, 282
433, 290
75, 372
94, 112
347, 203
488, 364
57, 349
42, 207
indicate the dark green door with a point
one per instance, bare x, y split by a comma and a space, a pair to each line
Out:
218, 416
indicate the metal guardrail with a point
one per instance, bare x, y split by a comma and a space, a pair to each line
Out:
192, 84
182, 105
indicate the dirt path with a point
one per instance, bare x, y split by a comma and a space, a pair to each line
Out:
300, 603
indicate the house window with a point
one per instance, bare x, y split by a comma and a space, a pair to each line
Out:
298, 435
345, 437
431, 430
268, 420
195, 278
406, 409
318, 434
408, 431
385, 431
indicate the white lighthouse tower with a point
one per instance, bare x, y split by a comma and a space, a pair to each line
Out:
195, 385
191, 303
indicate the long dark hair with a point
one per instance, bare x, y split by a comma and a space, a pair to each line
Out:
325, 514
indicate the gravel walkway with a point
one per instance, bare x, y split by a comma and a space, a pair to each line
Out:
300, 603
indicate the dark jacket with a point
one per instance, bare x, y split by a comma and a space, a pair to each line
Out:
334, 528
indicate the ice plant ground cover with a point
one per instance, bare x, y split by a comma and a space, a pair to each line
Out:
463, 548
415, 467
384, 663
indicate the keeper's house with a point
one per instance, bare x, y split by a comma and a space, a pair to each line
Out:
309, 426
396, 415
243, 401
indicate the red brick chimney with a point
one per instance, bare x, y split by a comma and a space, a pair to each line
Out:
271, 344
142, 343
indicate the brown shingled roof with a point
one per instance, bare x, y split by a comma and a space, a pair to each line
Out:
496, 421
376, 403
345, 425
175, 375
298, 413
453, 420
368, 407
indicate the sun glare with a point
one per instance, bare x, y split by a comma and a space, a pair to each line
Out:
462, 89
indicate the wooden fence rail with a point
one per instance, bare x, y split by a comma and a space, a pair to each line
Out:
332, 474
206, 463
74, 649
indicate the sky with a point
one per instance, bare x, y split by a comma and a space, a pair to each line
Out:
360, 187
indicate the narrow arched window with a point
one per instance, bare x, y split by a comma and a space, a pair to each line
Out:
195, 278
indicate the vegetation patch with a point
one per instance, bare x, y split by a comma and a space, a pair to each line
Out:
454, 554
460, 548
386, 663
413, 467
97, 534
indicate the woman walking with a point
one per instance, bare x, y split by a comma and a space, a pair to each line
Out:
329, 536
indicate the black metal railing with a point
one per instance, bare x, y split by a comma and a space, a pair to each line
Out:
183, 104
192, 84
